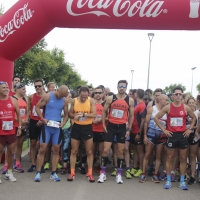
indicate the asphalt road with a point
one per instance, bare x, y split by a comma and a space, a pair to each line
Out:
80, 189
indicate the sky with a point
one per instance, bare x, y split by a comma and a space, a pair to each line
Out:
107, 56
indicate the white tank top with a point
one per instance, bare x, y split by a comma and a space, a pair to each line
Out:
162, 120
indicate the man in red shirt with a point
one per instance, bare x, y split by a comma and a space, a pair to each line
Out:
177, 134
15, 80
8, 109
120, 106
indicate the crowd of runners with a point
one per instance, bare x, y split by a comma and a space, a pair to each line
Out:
134, 130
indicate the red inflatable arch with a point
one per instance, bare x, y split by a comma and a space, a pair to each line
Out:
29, 20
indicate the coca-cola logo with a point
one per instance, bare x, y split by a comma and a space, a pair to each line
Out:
20, 18
144, 8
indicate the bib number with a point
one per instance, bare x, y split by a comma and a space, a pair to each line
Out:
34, 112
22, 112
54, 124
7, 125
176, 121
82, 119
117, 113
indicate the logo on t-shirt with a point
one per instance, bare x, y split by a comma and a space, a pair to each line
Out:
181, 112
9, 105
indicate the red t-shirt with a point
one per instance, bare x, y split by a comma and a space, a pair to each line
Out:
139, 113
118, 113
7, 117
98, 127
176, 119
34, 102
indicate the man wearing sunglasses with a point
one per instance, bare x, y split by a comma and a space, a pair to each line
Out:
8, 109
36, 123
177, 134
97, 128
120, 107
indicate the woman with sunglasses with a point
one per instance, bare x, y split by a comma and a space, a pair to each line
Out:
192, 140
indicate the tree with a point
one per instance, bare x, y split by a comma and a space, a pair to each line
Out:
48, 65
198, 88
169, 89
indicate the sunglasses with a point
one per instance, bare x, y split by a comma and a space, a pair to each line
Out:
121, 86
38, 86
178, 94
98, 93
2, 82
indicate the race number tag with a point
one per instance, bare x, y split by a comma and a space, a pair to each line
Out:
176, 121
54, 124
117, 113
22, 112
99, 116
82, 119
7, 125
34, 112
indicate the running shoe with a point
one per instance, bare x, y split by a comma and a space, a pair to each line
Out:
142, 178
19, 168
47, 166
173, 178
167, 185
38, 177
54, 177
138, 173
64, 171
128, 174
32, 168
90, 178
71, 177
150, 171
4, 170
42, 169
133, 171
114, 173
102, 178
59, 166
119, 179
10, 177
183, 186
191, 181
163, 176
83, 171
155, 179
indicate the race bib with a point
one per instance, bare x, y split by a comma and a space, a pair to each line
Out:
54, 124
82, 119
176, 121
7, 125
22, 112
99, 116
163, 123
34, 112
117, 113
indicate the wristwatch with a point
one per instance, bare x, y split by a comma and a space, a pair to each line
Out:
129, 129
19, 127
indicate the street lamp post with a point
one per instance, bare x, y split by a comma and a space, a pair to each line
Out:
192, 78
150, 35
132, 71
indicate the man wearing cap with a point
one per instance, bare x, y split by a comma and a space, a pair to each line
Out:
20, 90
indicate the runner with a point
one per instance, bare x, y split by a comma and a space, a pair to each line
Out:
156, 95
82, 111
193, 140
120, 107
153, 136
54, 103
22, 103
8, 109
137, 136
15, 80
177, 134
36, 123
97, 128
185, 98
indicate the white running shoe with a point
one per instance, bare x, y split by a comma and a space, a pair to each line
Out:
10, 177
119, 179
102, 178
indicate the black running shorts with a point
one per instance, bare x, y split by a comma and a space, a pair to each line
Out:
98, 137
177, 141
132, 139
191, 140
34, 130
81, 132
115, 129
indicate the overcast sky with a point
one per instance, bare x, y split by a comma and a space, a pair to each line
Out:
106, 56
